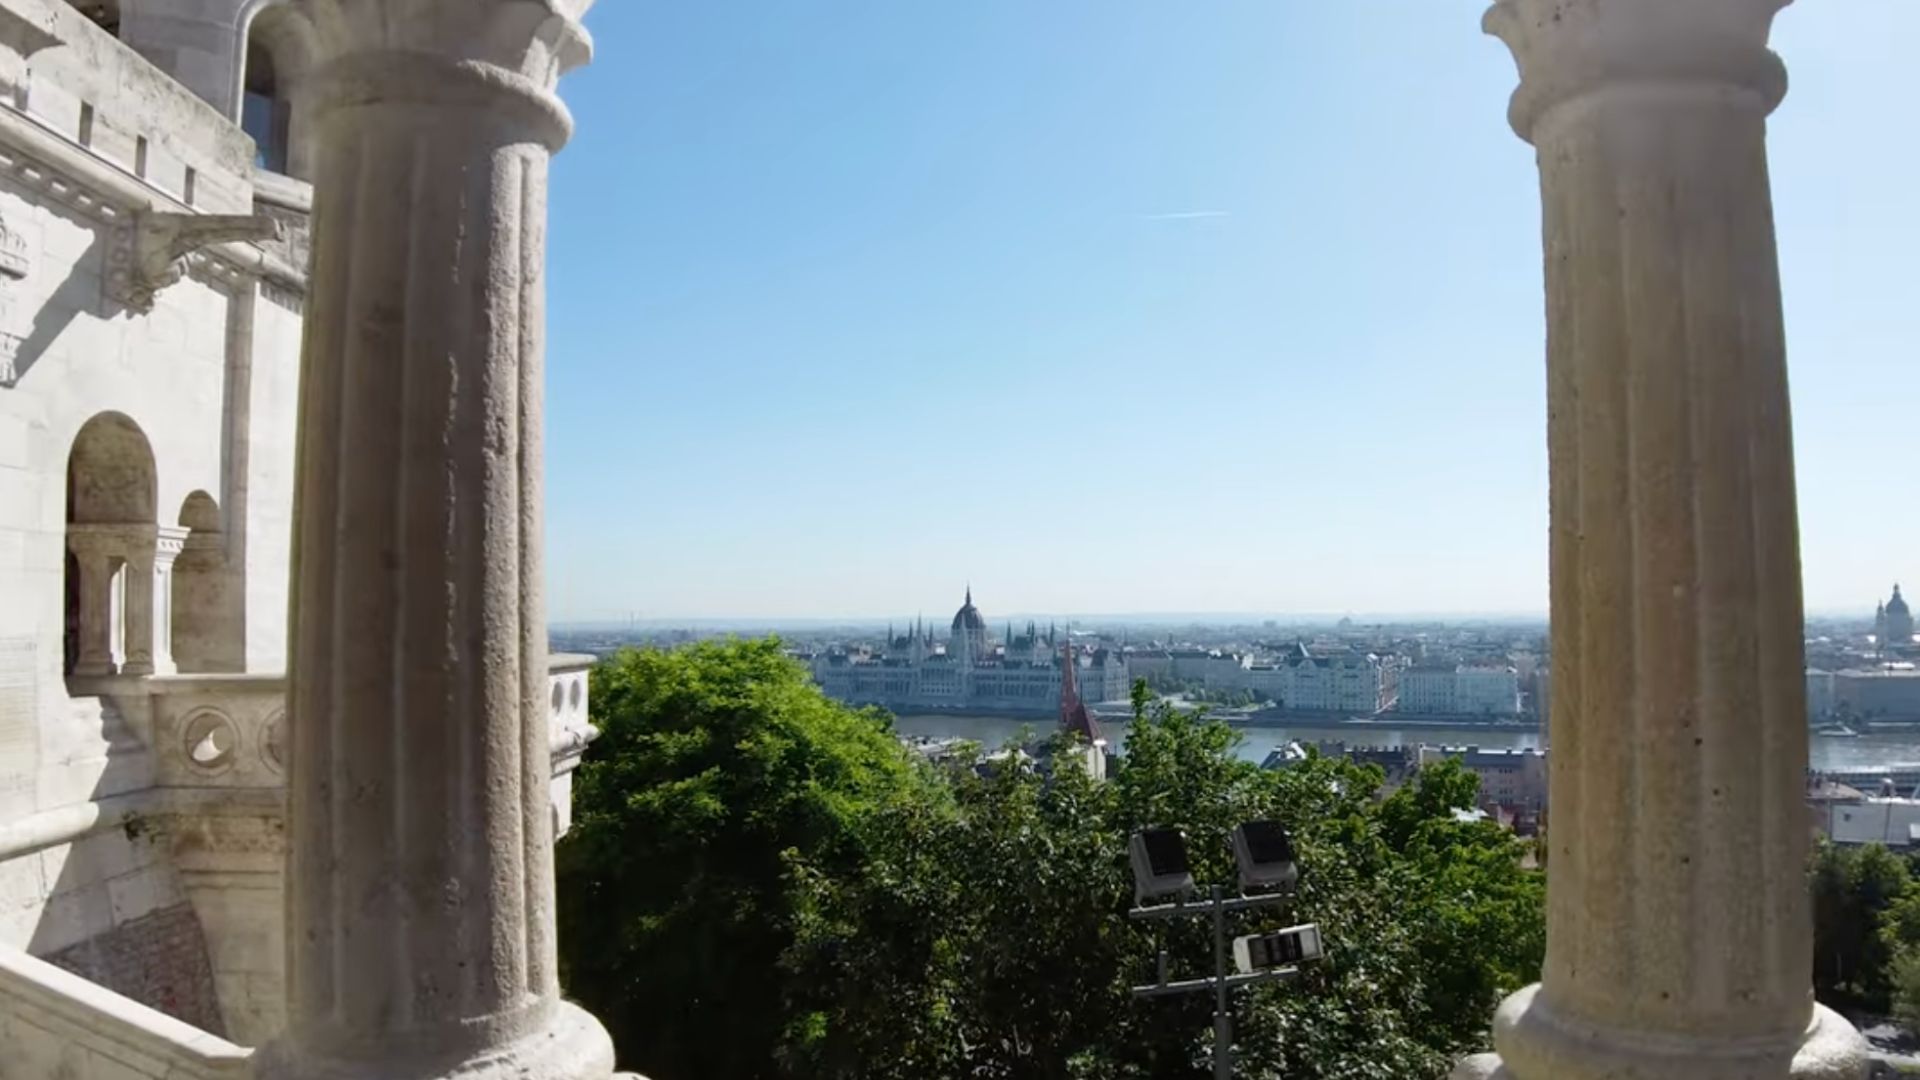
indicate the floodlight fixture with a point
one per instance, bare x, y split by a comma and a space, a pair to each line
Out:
1265, 854
1160, 867
1283, 948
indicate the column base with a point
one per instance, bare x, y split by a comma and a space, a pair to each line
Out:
572, 1047
1536, 1044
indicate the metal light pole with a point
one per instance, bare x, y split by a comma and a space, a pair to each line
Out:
1222, 1015
1265, 855
1217, 905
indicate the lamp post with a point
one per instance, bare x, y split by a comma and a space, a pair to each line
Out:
1265, 854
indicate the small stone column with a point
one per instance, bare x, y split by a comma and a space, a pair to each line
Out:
170, 541
95, 565
1678, 932
140, 550
420, 881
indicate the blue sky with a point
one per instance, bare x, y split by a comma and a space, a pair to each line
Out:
1129, 306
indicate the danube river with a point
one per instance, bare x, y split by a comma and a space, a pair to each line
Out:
1864, 752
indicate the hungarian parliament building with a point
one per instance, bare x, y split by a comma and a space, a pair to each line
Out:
969, 671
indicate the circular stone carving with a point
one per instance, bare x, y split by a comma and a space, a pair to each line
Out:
574, 694
210, 740
273, 744
559, 698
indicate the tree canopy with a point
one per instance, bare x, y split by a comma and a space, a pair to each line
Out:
761, 882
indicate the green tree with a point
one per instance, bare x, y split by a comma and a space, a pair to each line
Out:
1853, 890
1903, 977
722, 780
760, 883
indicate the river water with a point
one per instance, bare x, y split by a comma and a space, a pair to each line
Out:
1865, 752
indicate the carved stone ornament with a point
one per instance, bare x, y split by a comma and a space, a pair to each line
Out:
9, 341
14, 261
158, 244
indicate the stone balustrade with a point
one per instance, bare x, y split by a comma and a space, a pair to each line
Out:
212, 750
54, 1023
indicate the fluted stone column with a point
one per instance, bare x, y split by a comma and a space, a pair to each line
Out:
95, 566
1678, 932
420, 893
141, 541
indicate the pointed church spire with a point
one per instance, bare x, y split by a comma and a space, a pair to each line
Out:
1074, 715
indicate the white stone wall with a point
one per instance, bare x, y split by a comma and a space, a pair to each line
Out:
90, 137
268, 534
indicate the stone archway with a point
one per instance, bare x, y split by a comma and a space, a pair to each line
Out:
276, 55
204, 617
112, 529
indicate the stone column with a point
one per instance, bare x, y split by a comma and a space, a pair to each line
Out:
92, 558
170, 540
1678, 932
140, 549
420, 881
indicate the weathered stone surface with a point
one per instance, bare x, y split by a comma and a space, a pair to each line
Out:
55, 1024
420, 887
158, 959
1678, 930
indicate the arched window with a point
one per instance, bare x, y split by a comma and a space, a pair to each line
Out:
264, 113
279, 51
111, 535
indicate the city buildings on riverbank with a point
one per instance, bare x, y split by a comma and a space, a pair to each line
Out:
1866, 679
1513, 782
969, 671
1460, 690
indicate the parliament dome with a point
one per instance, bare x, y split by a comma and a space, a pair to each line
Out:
968, 617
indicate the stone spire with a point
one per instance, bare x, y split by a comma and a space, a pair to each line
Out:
420, 922
1678, 932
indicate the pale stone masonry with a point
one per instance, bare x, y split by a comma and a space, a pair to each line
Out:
153, 293
1679, 940
420, 880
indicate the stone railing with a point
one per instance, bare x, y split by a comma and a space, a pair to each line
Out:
217, 805
570, 731
54, 1023
218, 730
230, 731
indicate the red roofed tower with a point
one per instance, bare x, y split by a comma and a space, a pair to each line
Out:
1073, 712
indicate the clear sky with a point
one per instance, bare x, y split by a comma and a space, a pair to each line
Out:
1134, 306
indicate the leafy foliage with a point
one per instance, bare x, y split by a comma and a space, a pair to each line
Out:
721, 779
1854, 889
762, 883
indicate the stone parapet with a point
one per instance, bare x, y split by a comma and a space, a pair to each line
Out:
54, 1023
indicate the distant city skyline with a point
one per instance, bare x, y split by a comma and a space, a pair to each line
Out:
1144, 620
1112, 305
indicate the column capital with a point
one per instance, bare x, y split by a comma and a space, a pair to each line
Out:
1567, 49
170, 541
449, 52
